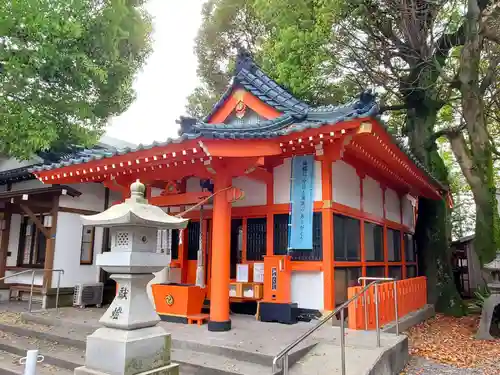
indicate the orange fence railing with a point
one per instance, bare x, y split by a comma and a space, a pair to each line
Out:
411, 296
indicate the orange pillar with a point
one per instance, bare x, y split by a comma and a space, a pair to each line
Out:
221, 253
327, 234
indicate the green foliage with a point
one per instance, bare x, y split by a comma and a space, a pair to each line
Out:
290, 40
67, 66
480, 295
226, 26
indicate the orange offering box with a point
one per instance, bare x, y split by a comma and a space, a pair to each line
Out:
178, 301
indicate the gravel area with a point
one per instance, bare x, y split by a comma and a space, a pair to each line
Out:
421, 366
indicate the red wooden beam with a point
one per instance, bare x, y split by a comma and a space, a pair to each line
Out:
179, 199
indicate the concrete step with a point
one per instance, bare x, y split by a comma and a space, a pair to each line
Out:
76, 337
9, 365
64, 356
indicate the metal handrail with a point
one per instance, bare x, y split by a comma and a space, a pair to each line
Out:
380, 279
33, 271
284, 353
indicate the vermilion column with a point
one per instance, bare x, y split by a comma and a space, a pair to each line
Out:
327, 234
221, 255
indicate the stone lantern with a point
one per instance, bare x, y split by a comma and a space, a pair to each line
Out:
131, 342
492, 301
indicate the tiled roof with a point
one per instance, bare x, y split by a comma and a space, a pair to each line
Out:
191, 129
89, 155
296, 116
249, 76
285, 124
47, 157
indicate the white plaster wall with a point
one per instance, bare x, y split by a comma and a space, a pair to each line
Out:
113, 197
345, 185
255, 192
408, 216
92, 197
3, 188
373, 202
15, 229
281, 178
67, 251
392, 204
307, 289
155, 192
30, 184
193, 185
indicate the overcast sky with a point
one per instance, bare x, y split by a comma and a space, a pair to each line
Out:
167, 78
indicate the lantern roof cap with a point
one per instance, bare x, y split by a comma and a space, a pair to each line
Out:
494, 265
135, 211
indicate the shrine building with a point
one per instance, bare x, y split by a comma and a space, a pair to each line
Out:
241, 170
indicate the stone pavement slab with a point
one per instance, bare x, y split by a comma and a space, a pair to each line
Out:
249, 343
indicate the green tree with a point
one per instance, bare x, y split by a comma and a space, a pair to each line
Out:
67, 66
226, 26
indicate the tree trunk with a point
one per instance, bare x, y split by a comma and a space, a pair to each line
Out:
476, 158
433, 230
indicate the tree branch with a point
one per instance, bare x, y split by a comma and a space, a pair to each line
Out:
464, 158
490, 74
448, 132
491, 23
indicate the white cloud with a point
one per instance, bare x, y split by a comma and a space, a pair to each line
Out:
168, 77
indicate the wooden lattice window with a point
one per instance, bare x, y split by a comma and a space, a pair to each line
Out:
281, 239
256, 238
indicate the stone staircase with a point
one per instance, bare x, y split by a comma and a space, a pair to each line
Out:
62, 343
64, 352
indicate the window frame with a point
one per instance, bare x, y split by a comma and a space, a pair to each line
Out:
406, 240
87, 262
344, 242
247, 239
35, 235
396, 243
297, 255
382, 242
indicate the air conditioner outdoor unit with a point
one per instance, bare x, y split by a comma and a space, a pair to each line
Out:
88, 294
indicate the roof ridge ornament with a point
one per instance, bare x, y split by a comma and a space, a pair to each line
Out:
244, 60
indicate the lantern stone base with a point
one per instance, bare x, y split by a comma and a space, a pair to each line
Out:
489, 305
119, 352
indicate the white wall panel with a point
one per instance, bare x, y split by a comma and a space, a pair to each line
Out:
307, 289
67, 251
408, 217
392, 204
282, 175
92, 197
373, 201
345, 184
255, 192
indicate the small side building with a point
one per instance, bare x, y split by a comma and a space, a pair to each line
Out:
41, 227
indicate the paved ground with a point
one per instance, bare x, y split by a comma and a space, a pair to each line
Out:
271, 338
252, 337
421, 366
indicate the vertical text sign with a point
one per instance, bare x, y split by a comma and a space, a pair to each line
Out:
302, 202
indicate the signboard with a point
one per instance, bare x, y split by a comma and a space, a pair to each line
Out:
258, 272
274, 278
302, 203
242, 273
